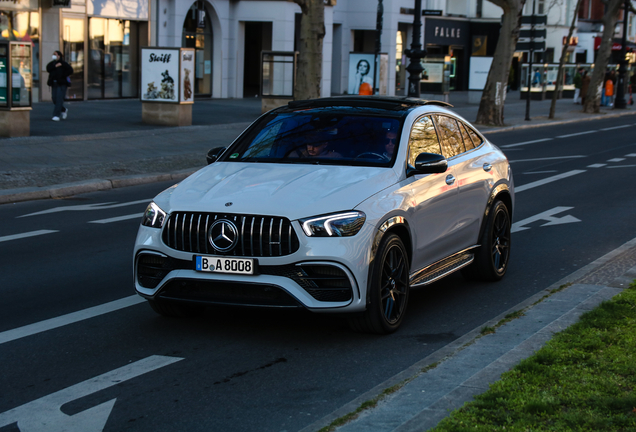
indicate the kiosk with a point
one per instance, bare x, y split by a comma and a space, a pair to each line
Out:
167, 92
15, 88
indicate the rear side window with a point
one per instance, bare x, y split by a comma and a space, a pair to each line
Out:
473, 135
468, 143
423, 139
452, 142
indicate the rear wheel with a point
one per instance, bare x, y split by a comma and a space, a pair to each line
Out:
491, 259
175, 309
388, 289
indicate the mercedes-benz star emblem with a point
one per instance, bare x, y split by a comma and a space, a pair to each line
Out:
223, 235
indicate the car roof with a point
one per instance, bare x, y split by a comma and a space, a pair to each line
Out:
389, 103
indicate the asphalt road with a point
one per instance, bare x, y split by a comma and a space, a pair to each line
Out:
248, 370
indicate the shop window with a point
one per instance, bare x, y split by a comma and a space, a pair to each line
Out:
23, 26
197, 34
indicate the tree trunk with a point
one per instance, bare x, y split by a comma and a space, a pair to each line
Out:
562, 60
491, 107
593, 97
312, 32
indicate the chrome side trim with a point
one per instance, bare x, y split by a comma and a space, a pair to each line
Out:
442, 268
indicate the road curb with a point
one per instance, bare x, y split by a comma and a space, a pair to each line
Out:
553, 123
93, 185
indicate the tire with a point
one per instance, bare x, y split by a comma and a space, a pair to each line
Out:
492, 257
175, 309
388, 290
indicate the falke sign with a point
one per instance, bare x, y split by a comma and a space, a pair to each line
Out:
446, 32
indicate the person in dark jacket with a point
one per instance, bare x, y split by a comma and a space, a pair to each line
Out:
59, 73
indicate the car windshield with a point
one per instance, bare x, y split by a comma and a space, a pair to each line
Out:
336, 137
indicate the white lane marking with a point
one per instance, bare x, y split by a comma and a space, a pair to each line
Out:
26, 234
526, 142
117, 219
616, 127
86, 207
616, 160
577, 134
541, 172
45, 414
42, 326
549, 158
622, 166
548, 216
596, 165
547, 180
631, 155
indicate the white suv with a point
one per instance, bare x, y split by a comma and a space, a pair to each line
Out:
339, 204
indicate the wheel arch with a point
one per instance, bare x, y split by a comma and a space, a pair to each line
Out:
500, 192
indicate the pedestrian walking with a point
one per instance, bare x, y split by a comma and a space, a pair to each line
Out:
577, 81
585, 85
59, 80
609, 91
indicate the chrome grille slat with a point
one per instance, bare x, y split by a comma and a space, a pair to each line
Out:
255, 237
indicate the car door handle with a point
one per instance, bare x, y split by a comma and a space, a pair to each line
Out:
487, 167
450, 179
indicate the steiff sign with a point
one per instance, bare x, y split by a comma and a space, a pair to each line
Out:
167, 88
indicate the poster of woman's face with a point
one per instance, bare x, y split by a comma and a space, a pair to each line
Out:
360, 74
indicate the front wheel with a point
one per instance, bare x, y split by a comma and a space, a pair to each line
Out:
491, 259
388, 289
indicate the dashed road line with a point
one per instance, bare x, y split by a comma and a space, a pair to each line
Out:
26, 234
577, 134
117, 219
548, 158
622, 166
548, 180
527, 142
42, 326
616, 127
616, 160
596, 165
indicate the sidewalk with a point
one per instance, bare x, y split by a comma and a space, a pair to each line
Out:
104, 144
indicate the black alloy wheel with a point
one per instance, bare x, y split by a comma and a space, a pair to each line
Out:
388, 289
492, 257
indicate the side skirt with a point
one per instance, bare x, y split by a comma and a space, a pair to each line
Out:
442, 268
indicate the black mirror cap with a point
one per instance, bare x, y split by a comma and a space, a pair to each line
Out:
214, 154
429, 163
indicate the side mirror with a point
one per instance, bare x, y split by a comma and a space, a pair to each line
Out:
214, 154
429, 163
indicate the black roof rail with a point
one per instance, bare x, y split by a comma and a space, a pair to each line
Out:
385, 102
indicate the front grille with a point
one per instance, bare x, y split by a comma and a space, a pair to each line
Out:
236, 293
259, 236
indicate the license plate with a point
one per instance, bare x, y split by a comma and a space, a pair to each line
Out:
224, 265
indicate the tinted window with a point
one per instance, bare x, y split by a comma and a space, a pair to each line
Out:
423, 139
468, 143
473, 135
319, 136
452, 143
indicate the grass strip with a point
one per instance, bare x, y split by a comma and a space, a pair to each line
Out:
583, 379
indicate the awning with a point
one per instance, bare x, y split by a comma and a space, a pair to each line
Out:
616, 45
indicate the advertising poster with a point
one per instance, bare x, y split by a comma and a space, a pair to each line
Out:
187, 76
361, 73
478, 73
433, 72
159, 74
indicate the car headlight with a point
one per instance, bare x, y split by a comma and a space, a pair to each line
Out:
335, 225
153, 217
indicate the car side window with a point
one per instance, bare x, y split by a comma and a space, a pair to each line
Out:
473, 135
452, 143
423, 139
468, 143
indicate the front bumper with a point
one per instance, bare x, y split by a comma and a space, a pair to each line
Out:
324, 274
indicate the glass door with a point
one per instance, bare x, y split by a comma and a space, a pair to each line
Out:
73, 50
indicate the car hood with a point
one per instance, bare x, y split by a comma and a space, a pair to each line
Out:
291, 190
